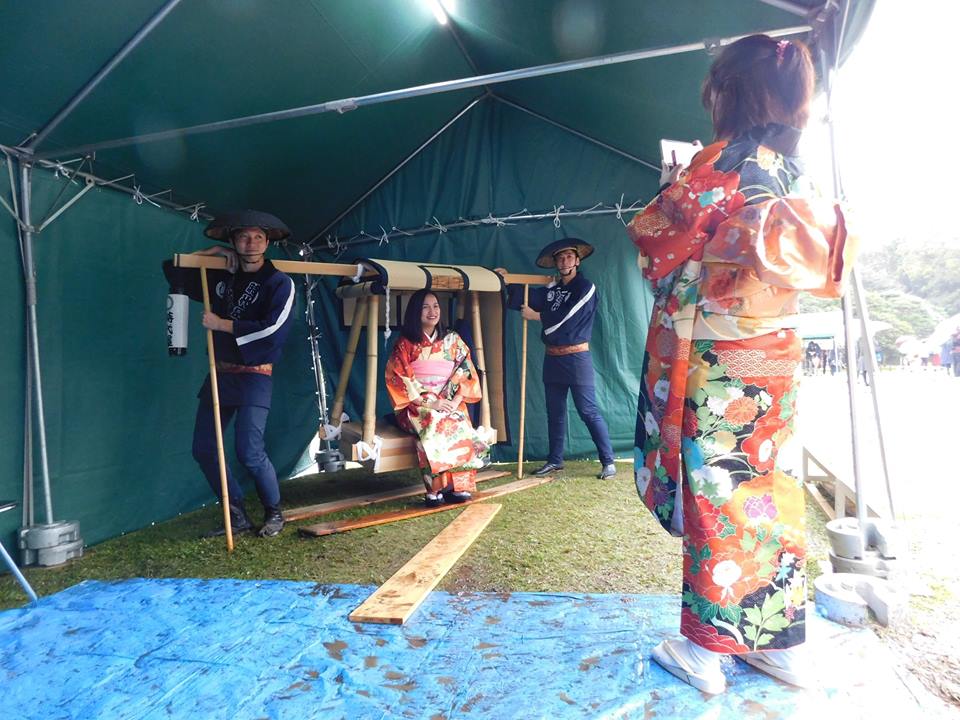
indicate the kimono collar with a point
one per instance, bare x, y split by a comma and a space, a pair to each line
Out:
779, 138
431, 338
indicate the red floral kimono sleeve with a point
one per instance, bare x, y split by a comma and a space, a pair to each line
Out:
675, 225
398, 374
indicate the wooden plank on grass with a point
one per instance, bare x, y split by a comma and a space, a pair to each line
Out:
309, 511
338, 526
396, 600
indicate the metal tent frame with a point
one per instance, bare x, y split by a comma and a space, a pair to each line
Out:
29, 153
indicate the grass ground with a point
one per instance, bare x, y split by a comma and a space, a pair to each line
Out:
576, 534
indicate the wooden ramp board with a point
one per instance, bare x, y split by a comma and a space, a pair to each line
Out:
396, 600
338, 526
309, 511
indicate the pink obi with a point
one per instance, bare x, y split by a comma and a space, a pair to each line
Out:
432, 374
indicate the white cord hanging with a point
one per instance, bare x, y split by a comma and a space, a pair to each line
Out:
556, 215
139, 197
434, 225
620, 210
387, 332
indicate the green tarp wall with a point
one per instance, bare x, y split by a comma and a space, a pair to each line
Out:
119, 411
499, 159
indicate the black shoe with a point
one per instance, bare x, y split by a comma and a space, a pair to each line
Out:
455, 496
608, 471
240, 523
547, 468
433, 499
272, 522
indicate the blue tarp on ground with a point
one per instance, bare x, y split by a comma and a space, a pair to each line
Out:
275, 649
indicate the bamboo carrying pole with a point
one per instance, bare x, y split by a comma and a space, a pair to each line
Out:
370, 401
352, 342
523, 383
479, 361
221, 461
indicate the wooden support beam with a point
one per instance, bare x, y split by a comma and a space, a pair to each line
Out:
338, 526
352, 342
359, 290
479, 360
520, 279
370, 398
311, 511
523, 384
297, 267
398, 598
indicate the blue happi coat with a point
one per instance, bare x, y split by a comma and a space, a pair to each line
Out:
260, 305
566, 315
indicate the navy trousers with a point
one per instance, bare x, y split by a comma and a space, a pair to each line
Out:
585, 399
248, 435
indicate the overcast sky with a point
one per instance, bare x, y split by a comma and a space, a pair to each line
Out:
897, 112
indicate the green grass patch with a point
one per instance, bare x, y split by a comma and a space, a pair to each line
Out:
576, 534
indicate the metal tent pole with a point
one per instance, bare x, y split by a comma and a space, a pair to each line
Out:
27, 515
846, 304
851, 353
870, 365
101, 182
583, 136
396, 169
30, 283
486, 222
347, 104
28, 509
91, 84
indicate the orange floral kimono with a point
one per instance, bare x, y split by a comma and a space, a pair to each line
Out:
449, 449
729, 247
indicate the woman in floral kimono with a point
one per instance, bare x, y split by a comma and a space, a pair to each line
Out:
728, 245
430, 379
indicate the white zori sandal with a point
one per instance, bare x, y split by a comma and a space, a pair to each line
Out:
792, 666
694, 665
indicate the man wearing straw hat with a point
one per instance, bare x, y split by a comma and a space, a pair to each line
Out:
251, 304
566, 308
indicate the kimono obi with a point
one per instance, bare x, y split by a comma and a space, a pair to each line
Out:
432, 374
